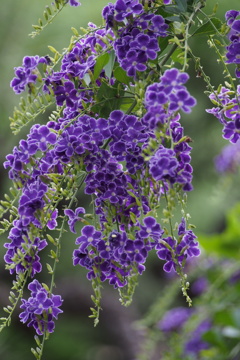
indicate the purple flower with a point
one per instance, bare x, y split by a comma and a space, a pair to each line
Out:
40, 309
26, 73
181, 100
233, 49
166, 254
163, 164
90, 237
150, 229
74, 3
174, 319
231, 15
187, 241
126, 8
74, 217
66, 92
41, 136
52, 223
30, 201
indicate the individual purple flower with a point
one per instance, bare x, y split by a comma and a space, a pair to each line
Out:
90, 237
66, 93
73, 217
150, 229
174, 319
143, 42
126, 8
31, 201
181, 100
41, 136
74, 3
231, 15
40, 309
52, 223
164, 253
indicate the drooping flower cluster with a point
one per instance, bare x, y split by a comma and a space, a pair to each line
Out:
125, 159
227, 112
117, 256
26, 74
137, 42
163, 102
40, 309
185, 246
233, 50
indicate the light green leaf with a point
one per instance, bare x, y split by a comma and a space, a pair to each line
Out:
102, 60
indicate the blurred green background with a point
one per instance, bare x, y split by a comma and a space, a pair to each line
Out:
114, 338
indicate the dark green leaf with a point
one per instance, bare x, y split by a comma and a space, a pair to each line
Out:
209, 28
178, 56
109, 98
109, 66
215, 338
163, 42
224, 318
102, 60
182, 5
121, 76
173, 10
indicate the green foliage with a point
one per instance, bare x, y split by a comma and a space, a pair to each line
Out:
226, 243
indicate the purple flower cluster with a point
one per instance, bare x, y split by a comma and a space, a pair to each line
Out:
116, 257
70, 83
228, 160
163, 101
26, 74
233, 50
137, 42
111, 154
40, 309
22, 251
227, 112
175, 252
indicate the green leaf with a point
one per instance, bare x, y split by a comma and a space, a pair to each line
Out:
102, 60
163, 42
108, 98
209, 28
178, 56
109, 66
182, 5
121, 76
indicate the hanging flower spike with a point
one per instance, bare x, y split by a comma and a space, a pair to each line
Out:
40, 309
